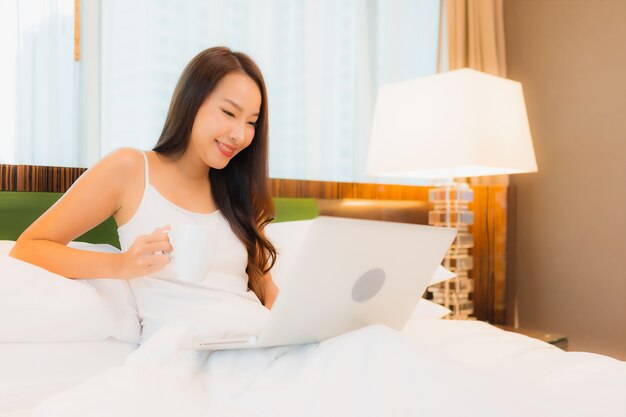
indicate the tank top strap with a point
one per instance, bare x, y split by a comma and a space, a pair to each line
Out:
146, 174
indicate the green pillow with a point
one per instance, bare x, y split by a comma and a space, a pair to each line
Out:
292, 209
19, 209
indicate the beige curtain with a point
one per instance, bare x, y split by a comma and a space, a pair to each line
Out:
475, 30
475, 39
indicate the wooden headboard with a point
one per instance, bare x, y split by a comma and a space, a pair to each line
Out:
493, 229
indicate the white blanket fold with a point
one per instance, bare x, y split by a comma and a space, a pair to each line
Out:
373, 371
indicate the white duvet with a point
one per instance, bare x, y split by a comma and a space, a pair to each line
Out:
470, 369
370, 372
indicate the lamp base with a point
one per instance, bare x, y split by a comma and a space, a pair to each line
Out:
451, 209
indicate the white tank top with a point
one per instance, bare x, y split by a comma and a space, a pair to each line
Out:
164, 296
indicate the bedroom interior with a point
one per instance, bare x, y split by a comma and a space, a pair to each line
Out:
547, 245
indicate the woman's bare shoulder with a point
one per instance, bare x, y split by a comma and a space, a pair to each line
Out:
96, 195
115, 172
121, 164
124, 158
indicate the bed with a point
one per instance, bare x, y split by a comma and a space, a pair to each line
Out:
56, 334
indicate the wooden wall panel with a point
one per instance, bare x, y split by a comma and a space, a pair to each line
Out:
336, 190
37, 178
8, 177
492, 252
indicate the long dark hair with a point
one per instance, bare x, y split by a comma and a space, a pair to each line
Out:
241, 189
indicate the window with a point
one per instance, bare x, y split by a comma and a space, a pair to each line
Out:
323, 61
39, 109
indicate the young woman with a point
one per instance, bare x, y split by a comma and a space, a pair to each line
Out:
208, 169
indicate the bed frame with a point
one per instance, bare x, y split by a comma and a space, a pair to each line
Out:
494, 221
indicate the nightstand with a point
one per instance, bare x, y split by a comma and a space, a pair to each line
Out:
555, 339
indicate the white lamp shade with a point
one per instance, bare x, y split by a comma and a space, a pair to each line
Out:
461, 123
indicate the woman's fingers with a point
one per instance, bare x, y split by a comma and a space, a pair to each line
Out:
157, 241
157, 260
157, 246
149, 253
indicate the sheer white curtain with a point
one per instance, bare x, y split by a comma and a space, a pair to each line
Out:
49, 102
43, 123
8, 76
323, 61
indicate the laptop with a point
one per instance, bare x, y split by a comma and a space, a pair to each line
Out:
347, 274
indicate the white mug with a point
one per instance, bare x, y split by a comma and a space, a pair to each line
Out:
193, 251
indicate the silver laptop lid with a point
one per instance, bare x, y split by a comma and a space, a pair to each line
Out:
350, 273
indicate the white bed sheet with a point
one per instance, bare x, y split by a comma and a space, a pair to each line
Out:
577, 383
582, 383
30, 372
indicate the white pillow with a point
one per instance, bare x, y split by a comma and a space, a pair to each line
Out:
426, 309
441, 274
39, 306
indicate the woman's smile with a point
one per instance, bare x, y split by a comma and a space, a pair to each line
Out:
226, 150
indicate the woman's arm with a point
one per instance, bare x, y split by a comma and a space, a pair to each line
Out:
99, 193
270, 290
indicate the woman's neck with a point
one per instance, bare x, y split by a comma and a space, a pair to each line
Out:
189, 168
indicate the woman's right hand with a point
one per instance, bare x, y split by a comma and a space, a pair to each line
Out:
148, 254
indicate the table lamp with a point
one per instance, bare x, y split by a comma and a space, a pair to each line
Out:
456, 124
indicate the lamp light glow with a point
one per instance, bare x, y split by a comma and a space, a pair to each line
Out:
461, 123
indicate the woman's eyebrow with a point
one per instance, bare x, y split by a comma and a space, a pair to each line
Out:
237, 106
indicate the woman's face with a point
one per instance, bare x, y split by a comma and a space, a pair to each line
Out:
225, 122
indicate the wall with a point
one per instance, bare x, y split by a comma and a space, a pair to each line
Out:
570, 56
